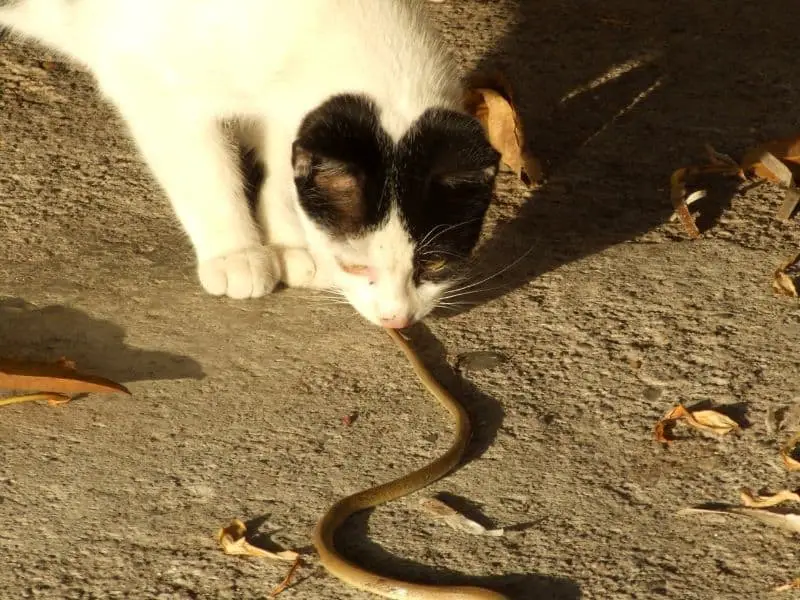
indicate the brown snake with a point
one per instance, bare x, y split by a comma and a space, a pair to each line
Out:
365, 580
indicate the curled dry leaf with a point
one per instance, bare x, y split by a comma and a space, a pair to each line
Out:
790, 453
678, 193
786, 150
753, 500
441, 511
777, 161
489, 98
232, 540
786, 521
59, 378
786, 278
710, 421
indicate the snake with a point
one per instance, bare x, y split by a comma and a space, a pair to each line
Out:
360, 578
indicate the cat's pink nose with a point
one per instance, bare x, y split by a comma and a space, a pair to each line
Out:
395, 322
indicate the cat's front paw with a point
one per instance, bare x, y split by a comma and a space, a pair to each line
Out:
247, 273
297, 267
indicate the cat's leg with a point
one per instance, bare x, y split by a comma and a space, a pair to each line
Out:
198, 169
277, 214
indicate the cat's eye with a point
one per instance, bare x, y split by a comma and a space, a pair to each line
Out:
435, 266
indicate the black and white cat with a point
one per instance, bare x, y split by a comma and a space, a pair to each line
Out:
377, 181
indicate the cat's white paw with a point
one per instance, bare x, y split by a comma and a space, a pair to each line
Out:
247, 273
297, 267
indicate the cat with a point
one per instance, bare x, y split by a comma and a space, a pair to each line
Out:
377, 181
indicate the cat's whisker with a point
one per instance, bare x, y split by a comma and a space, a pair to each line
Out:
445, 252
485, 279
455, 304
427, 242
472, 292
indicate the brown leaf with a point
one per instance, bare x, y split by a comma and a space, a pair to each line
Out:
284, 585
790, 451
786, 150
787, 521
233, 541
52, 399
59, 377
489, 98
753, 500
665, 424
711, 421
787, 277
720, 165
769, 167
792, 585
791, 199
678, 197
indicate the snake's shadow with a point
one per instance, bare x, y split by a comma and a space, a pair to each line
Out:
486, 415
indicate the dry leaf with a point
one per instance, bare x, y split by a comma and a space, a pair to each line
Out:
52, 399
720, 164
789, 451
769, 167
710, 421
490, 100
790, 201
777, 161
787, 521
284, 585
233, 541
786, 278
786, 150
59, 377
792, 585
679, 203
441, 511
753, 500
667, 422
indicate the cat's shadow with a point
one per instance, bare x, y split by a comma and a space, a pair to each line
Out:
486, 415
96, 346
616, 95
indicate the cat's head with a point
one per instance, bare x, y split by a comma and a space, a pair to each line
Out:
399, 217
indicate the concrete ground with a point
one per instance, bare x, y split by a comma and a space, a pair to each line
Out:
612, 318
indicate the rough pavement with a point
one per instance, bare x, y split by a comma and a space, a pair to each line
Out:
612, 318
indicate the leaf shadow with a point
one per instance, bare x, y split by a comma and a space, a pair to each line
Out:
97, 346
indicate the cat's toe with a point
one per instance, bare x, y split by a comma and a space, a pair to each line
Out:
248, 273
297, 267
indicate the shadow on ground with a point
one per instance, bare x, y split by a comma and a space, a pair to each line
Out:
616, 95
97, 347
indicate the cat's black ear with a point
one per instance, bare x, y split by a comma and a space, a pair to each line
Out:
331, 191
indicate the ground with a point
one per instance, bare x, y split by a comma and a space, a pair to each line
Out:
611, 318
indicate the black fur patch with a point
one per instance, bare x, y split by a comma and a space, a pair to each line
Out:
440, 176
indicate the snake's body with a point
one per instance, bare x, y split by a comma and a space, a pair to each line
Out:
365, 580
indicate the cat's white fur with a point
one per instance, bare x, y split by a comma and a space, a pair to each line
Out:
175, 68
